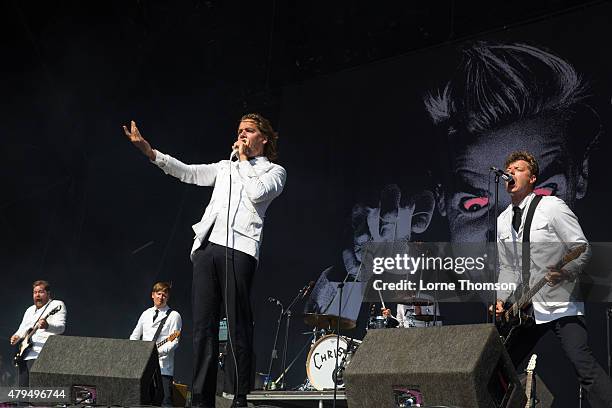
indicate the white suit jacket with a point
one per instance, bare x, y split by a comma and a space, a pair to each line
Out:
255, 183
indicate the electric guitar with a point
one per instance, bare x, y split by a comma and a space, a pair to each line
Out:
25, 343
531, 398
168, 339
516, 315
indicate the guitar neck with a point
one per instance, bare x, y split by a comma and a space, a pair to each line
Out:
528, 389
526, 298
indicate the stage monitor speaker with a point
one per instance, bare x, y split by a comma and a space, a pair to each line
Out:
460, 366
121, 372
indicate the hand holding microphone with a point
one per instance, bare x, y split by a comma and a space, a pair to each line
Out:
240, 149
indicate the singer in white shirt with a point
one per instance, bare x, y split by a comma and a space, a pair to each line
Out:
554, 231
227, 238
148, 325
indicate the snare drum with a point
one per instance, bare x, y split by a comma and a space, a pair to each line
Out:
321, 360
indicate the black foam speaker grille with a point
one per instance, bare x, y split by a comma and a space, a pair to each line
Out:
123, 372
463, 366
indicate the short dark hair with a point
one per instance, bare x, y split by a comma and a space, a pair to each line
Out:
532, 163
162, 286
264, 126
42, 283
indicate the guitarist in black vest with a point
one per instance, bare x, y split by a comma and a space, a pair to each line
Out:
162, 325
46, 317
553, 231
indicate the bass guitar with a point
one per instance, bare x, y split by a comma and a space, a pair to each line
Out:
168, 339
25, 343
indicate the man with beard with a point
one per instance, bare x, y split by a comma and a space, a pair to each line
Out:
37, 318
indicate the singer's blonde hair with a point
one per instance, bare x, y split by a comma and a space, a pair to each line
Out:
264, 126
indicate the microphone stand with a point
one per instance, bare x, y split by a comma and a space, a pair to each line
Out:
274, 354
494, 241
287, 313
609, 316
341, 287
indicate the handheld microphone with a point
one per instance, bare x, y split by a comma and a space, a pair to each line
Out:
507, 177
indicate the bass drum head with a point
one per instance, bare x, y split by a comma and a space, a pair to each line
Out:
321, 361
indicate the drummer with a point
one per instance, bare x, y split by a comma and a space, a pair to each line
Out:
419, 314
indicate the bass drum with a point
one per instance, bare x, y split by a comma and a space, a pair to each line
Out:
321, 361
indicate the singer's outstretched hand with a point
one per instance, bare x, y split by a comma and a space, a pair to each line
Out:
140, 142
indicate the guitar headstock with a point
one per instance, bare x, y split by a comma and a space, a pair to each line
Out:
174, 336
574, 253
532, 363
54, 310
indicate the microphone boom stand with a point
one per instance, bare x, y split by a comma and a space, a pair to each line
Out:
494, 240
341, 287
287, 313
274, 354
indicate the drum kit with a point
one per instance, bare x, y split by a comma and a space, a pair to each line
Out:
330, 352
327, 346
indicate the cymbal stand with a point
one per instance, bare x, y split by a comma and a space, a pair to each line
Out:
306, 385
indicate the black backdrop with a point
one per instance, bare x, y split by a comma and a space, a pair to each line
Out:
81, 208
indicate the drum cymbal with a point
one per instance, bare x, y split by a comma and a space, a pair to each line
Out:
418, 301
325, 321
405, 297
428, 318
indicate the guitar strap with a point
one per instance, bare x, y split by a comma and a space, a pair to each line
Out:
161, 325
526, 252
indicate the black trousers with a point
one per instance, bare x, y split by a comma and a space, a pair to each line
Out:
23, 372
572, 333
167, 386
211, 289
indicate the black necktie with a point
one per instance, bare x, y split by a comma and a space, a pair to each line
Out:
155, 315
516, 218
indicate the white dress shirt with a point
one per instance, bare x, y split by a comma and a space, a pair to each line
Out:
554, 232
255, 183
57, 325
147, 327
